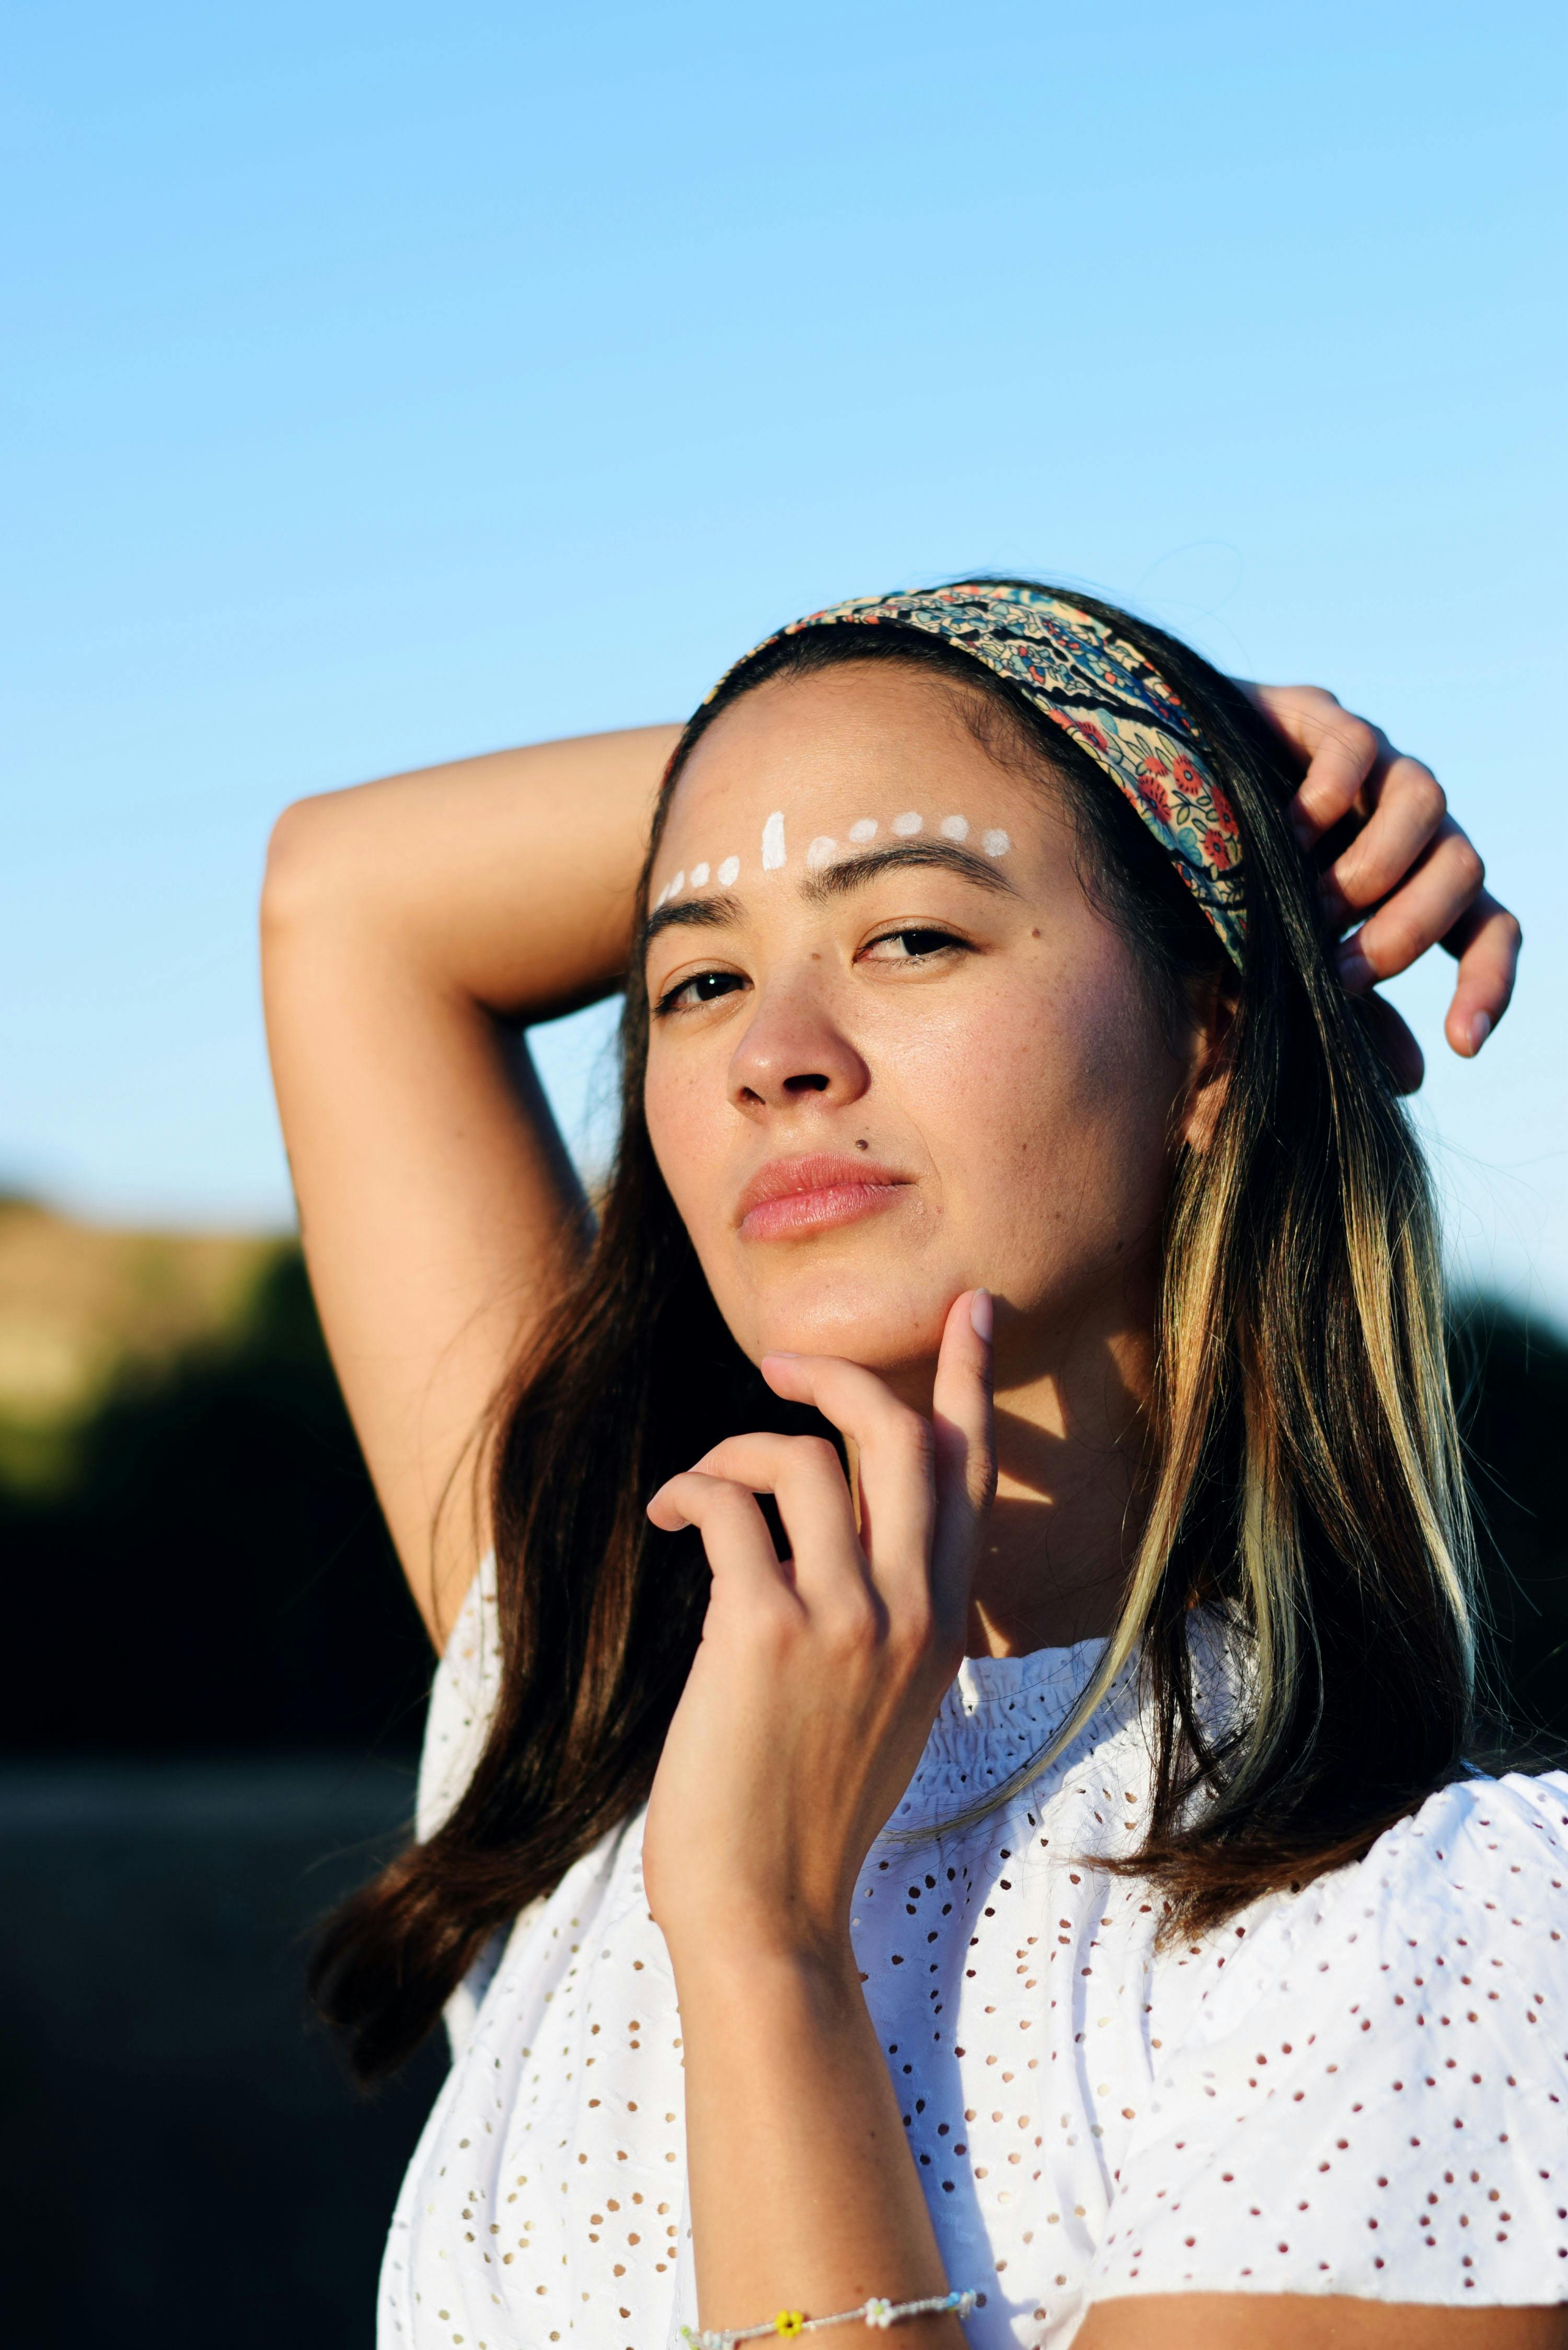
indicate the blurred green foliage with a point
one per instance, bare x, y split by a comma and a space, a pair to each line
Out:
213, 1574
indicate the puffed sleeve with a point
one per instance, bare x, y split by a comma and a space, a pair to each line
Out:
1371, 2095
462, 1700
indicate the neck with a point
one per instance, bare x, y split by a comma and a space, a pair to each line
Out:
1071, 1460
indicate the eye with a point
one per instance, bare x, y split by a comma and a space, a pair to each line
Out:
703, 987
915, 942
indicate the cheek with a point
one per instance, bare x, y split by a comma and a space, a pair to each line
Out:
684, 1103
1056, 1105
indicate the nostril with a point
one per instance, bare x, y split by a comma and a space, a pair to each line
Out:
815, 1085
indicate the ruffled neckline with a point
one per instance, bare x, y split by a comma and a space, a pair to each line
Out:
997, 1713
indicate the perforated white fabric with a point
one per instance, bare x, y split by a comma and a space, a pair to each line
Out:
1362, 2088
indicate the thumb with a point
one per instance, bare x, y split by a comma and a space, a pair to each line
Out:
965, 1446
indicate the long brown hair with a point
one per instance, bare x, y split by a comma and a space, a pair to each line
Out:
1306, 1484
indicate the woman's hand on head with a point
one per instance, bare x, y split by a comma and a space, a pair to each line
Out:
818, 1676
1408, 876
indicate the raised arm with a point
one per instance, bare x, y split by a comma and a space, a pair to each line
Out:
412, 926
408, 926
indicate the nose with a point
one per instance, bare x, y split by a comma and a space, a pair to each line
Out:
793, 1052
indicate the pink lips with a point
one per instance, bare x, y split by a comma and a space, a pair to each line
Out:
800, 1195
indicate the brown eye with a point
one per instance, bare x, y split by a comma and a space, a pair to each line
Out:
703, 987
910, 944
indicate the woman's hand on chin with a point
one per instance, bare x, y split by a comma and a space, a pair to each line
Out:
818, 1676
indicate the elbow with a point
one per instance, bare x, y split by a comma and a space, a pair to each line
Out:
300, 862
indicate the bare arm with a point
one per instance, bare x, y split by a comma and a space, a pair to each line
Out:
1293, 2321
408, 926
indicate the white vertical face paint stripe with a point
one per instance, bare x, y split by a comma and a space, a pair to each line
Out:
954, 828
698, 877
728, 873
862, 830
995, 844
773, 842
905, 825
677, 885
822, 852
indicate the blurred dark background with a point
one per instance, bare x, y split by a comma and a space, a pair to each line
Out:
209, 1731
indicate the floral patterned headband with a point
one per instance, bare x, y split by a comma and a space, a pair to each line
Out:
1106, 695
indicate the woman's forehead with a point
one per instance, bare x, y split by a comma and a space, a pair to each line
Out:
863, 731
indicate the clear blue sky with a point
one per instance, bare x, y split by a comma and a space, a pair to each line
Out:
387, 383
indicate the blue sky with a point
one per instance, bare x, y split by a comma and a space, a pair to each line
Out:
387, 383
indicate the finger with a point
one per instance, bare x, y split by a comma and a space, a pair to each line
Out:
734, 1531
1409, 815
894, 1463
1340, 749
1427, 908
803, 1475
1487, 940
965, 1446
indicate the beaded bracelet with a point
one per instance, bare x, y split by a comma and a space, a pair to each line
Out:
877, 2315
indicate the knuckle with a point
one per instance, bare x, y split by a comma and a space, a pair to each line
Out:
1401, 937
914, 1433
1427, 795
1356, 736
817, 1456
1469, 868
849, 1624
775, 1622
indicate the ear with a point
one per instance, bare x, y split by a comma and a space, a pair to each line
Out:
1213, 1020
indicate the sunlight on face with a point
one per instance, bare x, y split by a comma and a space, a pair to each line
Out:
895, 1051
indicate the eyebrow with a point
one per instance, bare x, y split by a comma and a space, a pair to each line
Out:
693, 914
836, 880
850, 873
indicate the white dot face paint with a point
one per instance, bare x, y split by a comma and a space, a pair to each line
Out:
661, 897
677, 885
862, 830
954, 828
905, 825
698, 877
995, 844
773, 842
822, 852
728, 873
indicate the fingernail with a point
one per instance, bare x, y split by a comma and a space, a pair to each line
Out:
1481, 1029
1356, 973
982, 1314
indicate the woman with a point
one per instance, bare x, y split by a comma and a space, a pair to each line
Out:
1032, 1858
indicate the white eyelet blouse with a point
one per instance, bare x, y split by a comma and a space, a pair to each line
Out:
1361, 2088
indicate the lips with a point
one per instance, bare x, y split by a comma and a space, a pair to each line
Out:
803, 1195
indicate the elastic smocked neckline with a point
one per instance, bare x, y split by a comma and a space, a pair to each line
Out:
984, 1682
996, 1715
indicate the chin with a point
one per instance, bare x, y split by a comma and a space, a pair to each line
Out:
881, 1323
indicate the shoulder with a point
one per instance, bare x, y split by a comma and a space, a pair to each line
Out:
1482, 1866
1363, 2088
1478, 1851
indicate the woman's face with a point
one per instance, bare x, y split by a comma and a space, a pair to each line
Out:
896, 1051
